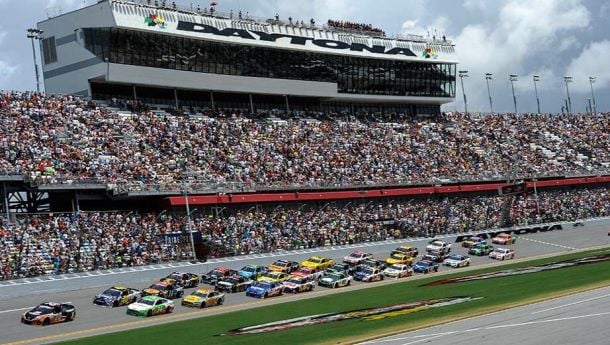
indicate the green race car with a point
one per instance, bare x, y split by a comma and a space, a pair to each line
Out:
150, 305
481, 249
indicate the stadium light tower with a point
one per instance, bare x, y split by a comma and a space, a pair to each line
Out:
462, 75
536, 80
35, 34
592, 81
568, 80
513, 79
488, 77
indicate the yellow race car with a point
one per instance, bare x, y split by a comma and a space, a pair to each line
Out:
272, 277
400, 258
285, 266
317, 263
203, 298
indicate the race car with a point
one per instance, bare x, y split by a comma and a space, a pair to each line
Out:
437, 246
400, 258
296, 285
49, 313
217, 274
504, 239
150, 305
502, 254
407, 250
234, 283
398, 271
473, 241
274, 277
372, 263
456, 261
117, 296
186, 280
481, 249
334, 280
425, 266
203, 298
435, 257
317, 263
252, 272
265, 289
357, 257
341, 267
164, 289
369, 275
307, 273
284, 266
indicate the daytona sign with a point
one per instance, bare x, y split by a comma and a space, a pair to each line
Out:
522, 231
295, 40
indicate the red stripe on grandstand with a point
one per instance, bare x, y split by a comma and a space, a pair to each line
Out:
371, 193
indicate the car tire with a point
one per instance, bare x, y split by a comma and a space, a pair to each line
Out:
265, 295
221, 301
115, 304
168, 310
71, 317
149, 314
46, 322
334, 285
349, 282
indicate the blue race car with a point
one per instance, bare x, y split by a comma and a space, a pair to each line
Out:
425, 266
252, 272
117, 296
265, 289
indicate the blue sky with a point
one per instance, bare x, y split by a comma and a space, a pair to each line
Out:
552, 38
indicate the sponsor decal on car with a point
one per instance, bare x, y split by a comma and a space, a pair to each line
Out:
363, 314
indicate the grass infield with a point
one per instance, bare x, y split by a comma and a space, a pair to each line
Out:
497, 293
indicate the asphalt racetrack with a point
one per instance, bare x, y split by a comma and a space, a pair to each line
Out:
581, 318
18, 296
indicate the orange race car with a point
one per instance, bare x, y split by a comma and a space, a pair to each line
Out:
49, 313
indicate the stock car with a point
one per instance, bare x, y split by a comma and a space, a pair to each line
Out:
357, 257
298, 284
398, 271
265, 289
456, 261
407, 250
473, 241
399, 258
438, 246
502, 254
342, 268
504, 239
317, 263
117, 296
272, 277
164, 289
217, 274
233, 284
372, 263
284, 266
369, 275
186, 280
335, 280
49, 313
203, 298
307, 273
150, 305
481, 250
425, 266
435, 257
252, 272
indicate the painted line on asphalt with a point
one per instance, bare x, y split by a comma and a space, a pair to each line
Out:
571, 304
12, 310
548, 243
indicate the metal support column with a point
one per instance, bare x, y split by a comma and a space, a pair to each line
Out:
135, 94
251, 104
176, 98
189, 224
212, 100
287, 104
6, 208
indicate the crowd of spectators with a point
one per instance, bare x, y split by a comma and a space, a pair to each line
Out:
63, 139
355, 27
59, 243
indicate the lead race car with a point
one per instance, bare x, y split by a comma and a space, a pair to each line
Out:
49, 313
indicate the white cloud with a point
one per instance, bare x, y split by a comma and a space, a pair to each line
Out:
6, 69
592, 61
476, 4
568, 42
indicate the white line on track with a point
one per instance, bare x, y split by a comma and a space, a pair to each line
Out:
12, 310
547, 243
571, 304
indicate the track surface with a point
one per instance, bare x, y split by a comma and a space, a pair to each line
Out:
577, 319
20, 296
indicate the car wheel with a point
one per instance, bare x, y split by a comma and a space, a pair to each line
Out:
334, 285
168, 310
149, 313
72, 316
503, 258
115, 304
349, 282
265, 295
46, 322
221, 301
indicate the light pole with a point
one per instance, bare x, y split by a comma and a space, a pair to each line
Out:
462, 75
35, 34
567, 81
590, 107
189, 224
488, 77
592, 81
536, 80
513, 79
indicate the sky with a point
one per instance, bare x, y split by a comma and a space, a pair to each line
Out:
550, 38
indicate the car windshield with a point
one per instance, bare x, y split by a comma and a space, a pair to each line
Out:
147, 302
304, 271
368, 271
112, 292
159, 287
356, 255
423, 263
456, 257
498, 250
397, 256
217, 273
335, 276
199, 294
264, 285
395, 267
296, 280
233, 281
43, 309
248, 269
437, 243
315, 260
174, 277
503, 235
280, 263
370, 263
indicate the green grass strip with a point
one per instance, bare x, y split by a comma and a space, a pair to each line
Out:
498, 294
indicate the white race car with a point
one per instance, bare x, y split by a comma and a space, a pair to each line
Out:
437, 246
502, 254
398, 271
357, 257
369, 275
456, 261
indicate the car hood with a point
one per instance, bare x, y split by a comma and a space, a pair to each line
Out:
152, 291
139, 306
105, 297
193, 299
